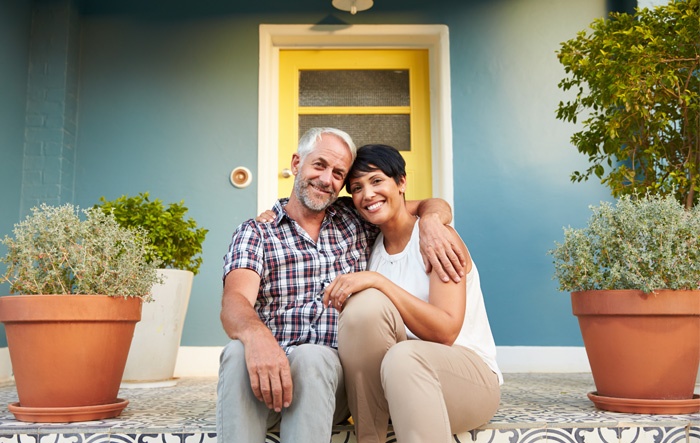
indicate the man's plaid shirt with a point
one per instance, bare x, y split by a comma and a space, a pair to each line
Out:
294, 269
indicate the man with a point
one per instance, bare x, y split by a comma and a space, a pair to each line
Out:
282, 365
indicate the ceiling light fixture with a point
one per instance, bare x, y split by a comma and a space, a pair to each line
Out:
353, 5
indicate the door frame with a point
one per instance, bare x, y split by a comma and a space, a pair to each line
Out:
434, 38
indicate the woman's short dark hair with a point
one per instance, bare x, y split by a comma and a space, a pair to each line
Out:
377, 157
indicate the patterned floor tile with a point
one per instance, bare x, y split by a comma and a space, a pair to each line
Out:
654, 434
694, 434
19, 438
535, 408
583, 435
77, 437
201, 437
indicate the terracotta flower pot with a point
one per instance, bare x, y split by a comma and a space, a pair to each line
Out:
642, 347
68, 354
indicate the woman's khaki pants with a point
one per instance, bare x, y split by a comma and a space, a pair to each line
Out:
431, 391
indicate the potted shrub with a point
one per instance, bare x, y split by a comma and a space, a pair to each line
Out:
637, 92
633, 273
82, 282
175, 242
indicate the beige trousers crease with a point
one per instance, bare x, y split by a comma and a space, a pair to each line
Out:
429, 390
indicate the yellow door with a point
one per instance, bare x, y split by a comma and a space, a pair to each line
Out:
376, 96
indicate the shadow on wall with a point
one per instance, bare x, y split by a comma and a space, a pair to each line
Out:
628, 5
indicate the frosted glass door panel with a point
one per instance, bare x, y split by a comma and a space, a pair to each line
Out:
354, 88
392, 130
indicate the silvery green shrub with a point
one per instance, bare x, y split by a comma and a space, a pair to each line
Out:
54, 251
644, 243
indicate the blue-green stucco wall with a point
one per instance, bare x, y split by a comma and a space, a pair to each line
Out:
15, 19
168, 103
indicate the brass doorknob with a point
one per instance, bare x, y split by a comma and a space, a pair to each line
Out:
286, 173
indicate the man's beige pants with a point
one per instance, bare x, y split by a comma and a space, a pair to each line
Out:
430, 390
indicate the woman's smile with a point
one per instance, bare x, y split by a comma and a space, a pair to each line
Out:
374, 206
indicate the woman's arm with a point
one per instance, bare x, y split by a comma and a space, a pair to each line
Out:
438, 321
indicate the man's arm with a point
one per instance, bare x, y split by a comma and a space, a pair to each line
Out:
436, 243
268, 366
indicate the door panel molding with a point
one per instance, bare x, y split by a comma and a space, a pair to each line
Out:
435, 38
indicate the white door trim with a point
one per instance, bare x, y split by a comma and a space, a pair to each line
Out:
435, 38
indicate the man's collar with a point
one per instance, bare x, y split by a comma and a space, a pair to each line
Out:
279, 209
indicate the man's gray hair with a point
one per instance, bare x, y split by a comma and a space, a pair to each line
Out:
307, 142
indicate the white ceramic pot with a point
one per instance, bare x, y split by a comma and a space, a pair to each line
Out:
153, 353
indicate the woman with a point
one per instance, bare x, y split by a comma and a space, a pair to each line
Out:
412, 346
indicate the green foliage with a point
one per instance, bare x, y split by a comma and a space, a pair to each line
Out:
637, 84
647, 244
55, 252
174, 241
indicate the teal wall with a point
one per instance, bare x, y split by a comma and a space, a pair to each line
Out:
513, 160
15, 19
168, 103
170, 107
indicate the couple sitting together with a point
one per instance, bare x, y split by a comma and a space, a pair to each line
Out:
369, 306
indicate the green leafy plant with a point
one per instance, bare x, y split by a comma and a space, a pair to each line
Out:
54, 251
637, 84
174, 241
645, 243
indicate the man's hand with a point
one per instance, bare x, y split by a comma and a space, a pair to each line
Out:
268, 369
439, 250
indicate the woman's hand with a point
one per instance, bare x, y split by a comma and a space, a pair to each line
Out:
266, 216
345, 285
